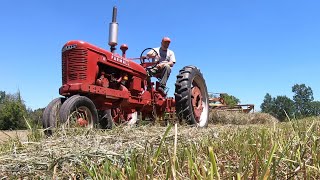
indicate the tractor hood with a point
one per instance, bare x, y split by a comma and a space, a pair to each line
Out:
98, 55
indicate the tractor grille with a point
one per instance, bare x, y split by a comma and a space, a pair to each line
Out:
74, 65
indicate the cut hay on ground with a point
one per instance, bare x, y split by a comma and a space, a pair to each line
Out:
148, 152
65, 151
238, 118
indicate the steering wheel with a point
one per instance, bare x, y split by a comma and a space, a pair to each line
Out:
151, 60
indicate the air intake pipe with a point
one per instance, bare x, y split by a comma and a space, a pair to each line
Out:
113, 31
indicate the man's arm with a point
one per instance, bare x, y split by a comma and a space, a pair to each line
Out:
152, 53
171, 63
172, 59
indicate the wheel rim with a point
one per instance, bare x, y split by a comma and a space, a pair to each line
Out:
199, 101
81, 117
196, 102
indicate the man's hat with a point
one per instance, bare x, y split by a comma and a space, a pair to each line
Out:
166, 39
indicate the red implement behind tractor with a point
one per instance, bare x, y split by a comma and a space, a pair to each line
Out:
219, 103
101, 88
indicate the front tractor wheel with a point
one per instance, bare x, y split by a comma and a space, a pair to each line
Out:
78, 111
50, 117
191, 97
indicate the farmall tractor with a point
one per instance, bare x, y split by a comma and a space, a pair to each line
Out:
101, 88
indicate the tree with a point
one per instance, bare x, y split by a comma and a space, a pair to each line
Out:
283, 106
302, 98
230, 100
314, 108
278, 107
2, 96
12, 112
302, 105
35, 115
268, 104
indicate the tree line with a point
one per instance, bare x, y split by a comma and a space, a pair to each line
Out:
301, 105
14, 113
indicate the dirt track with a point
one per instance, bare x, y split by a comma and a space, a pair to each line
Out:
6, 135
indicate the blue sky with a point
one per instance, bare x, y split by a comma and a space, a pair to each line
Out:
245, 48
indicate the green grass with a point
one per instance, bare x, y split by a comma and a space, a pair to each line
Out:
279, 151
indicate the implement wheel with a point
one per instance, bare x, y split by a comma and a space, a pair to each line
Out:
191, 97
78, 111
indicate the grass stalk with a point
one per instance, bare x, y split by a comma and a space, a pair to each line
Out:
213, 167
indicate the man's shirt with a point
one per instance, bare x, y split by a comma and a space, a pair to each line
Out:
165, 56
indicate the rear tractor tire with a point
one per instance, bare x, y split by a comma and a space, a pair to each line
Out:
191, 97
78, 111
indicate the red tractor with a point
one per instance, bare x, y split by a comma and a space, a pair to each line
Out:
101, 88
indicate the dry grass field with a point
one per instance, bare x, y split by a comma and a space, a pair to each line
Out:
7, 135
229, 149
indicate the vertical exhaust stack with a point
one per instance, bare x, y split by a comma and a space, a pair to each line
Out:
113, 31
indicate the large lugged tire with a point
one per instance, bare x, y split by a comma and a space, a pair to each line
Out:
191, 97
78, 111
50, 117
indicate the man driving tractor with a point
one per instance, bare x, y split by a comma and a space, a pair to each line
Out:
165, 60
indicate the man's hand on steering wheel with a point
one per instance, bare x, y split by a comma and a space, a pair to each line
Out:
152, 54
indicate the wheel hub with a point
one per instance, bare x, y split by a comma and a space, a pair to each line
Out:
196, 102
81, 117
82, 122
